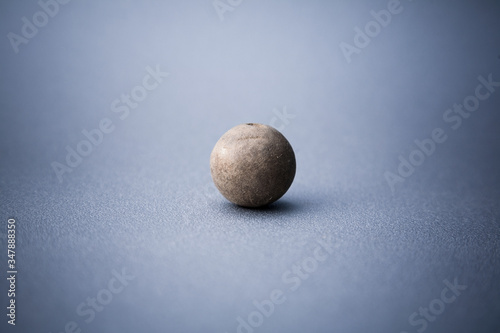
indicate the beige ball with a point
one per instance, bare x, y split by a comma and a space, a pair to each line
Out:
252, 165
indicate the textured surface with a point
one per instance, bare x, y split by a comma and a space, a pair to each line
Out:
252, 165
143, 200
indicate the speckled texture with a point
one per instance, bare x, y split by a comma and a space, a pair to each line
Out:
252, 165
144, 199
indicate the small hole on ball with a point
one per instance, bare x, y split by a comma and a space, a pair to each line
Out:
250, 124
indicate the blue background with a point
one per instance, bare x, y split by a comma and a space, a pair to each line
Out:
143, 199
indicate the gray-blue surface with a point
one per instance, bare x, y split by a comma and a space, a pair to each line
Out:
109, 112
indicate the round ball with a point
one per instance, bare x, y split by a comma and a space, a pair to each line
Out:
252, 165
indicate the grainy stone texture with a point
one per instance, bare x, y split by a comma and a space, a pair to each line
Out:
252, 165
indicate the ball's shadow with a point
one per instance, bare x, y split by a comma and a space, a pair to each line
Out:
280, 207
